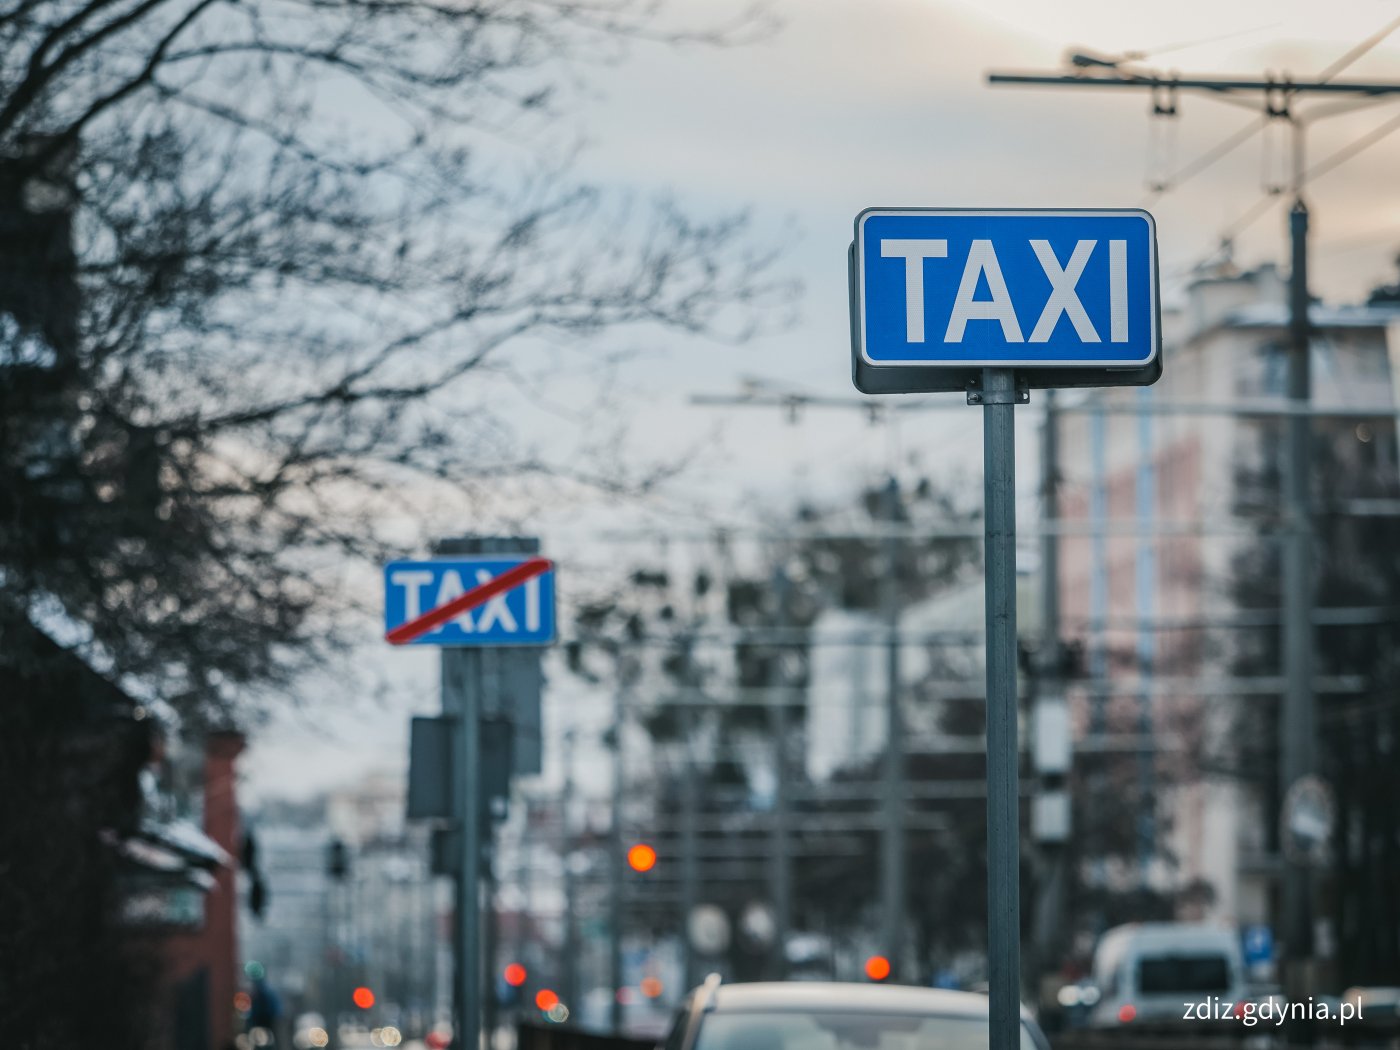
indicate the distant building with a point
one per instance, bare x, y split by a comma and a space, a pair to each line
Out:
376, 916
1154, 605
940, 642
126, 833
190, 911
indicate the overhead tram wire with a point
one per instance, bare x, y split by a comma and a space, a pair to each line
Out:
1297, 753
1216, 153
1238, 138
1359, 50
1261, 207
1358, 145
1269, 201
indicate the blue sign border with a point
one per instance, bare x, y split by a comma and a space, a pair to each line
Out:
499, 562
875, 377
1006, 362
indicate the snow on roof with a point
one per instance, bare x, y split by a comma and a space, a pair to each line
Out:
186, 839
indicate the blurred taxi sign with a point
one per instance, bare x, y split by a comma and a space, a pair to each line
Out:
1064, 297
486, 601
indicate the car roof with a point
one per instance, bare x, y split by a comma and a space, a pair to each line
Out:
1173, 934
828, 996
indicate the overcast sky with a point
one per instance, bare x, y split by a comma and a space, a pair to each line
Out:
856, 103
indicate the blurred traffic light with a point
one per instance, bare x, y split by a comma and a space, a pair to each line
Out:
877, 967
363, 997
257, 896
652, 987
641, 857
337, 861
546, 999
515, 975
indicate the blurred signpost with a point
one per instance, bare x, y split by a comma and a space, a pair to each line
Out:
995, 302
484, 603
1258, 945
434, 602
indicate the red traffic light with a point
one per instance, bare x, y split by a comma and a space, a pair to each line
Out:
546, 1000
877, 967
515, 975
363, 997
641, 857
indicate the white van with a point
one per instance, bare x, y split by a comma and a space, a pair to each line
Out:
1154, 971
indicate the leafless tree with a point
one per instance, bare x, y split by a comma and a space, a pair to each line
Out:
257, 261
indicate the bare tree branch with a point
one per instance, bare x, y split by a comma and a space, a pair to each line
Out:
289, 261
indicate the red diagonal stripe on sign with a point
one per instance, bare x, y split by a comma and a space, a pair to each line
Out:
479, 595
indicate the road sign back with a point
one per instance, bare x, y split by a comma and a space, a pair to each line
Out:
520, 614
1063, 297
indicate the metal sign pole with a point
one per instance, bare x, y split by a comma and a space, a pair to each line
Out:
476, 592
461, 699
462, 702
1099, 326
998, 400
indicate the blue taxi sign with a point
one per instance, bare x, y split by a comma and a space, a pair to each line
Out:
1064, 297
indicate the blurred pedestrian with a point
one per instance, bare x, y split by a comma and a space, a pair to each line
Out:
264, 1012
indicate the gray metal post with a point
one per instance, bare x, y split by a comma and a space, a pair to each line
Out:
1146, 588
1100, 433
338, 993
1003, 788
461, 699
892, 839
690, 852
1049, 689
1298, 724
490, 949
571, 945
781, 871
615, 873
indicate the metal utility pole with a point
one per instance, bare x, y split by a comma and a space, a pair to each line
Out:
571, 945
893, 939
1145, 572
463, 699
615, 873
1050, 821
1298, 717
998, 399
337, 937
690, 792
1298, 720
491, 935
782, 847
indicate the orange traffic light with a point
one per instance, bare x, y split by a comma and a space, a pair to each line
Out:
652, 987
515, 975
546, 1000
363, 997
641, 857
877, 967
